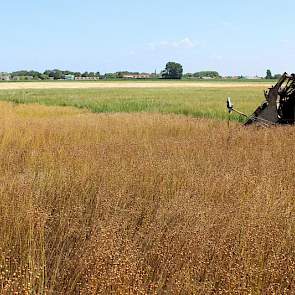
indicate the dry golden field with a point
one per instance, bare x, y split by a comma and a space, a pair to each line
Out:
128, 84
143, 204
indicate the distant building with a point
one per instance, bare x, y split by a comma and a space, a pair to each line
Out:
253, 78
87, 78
4, 76
242, 77
137, 76
69, 77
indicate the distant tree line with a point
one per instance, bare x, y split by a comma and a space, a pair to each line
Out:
34, 74
270, 76
118, 75
203, 74
173, 70
58, 74
52, 74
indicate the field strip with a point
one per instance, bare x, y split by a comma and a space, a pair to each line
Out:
88, 85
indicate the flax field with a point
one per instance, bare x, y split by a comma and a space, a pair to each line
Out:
143, 203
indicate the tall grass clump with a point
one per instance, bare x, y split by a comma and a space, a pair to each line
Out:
143, 204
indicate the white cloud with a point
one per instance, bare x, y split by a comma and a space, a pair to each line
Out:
185, 43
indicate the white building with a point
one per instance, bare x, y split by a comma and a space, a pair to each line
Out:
4, 76
87, 78
137, 76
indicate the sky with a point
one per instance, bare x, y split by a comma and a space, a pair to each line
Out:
233, 37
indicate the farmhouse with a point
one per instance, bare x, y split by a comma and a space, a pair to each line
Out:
69, 77
137, 76
4, 76
253, 77
87, 78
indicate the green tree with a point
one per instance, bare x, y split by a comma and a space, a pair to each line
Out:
207, 74
110, 76
188, 75
55, 74
44, 77
268, 74
120, 75
173, 70
277, 76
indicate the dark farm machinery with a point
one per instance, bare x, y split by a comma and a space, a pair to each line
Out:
278, 107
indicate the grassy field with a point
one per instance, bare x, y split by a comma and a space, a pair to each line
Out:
143, 191
194, 102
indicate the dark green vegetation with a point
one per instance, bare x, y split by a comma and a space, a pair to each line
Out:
54, 74
202, 74
173, 70
194, 102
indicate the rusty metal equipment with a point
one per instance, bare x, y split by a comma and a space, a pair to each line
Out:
279, 106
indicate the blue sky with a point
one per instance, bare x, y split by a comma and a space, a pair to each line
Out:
232, 37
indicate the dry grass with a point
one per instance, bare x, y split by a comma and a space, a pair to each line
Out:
126, 84
143, 204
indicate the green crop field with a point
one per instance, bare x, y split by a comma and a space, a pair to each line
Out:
194, 102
